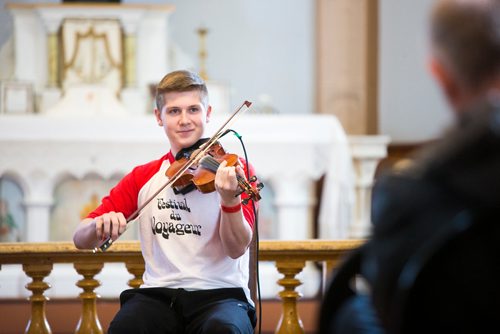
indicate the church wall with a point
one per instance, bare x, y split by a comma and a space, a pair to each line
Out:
263, 52
411, 108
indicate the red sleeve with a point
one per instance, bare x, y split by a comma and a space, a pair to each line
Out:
123, 197
248, 212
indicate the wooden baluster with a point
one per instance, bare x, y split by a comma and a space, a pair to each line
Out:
290, 322
328, 267
136, 269
89, 322
38, 322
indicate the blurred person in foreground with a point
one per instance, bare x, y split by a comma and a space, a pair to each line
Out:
432, 263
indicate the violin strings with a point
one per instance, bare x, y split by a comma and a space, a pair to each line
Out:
209, 163
212, 164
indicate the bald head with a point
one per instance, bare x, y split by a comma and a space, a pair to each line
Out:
465, 37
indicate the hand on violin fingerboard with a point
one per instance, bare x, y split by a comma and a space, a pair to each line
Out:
226, 183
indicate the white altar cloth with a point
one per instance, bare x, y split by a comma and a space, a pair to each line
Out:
288, 151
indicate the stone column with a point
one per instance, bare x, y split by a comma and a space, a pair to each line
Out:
37, 219
130, 24
52, 23
51, 93
347, 62
25, 42
38, 202
131, 95
293, 204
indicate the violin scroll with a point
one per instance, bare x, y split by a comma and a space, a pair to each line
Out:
252, 192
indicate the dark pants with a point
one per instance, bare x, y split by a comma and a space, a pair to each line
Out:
163, 310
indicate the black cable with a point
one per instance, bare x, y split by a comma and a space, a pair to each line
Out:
256, 228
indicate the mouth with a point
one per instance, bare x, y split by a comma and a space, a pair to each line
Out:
185, 132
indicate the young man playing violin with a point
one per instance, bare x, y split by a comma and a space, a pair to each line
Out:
195, 245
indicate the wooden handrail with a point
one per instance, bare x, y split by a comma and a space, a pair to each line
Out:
124, 251
37, 259
64, 252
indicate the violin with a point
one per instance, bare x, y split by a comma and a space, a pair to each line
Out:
202, 174
181, 173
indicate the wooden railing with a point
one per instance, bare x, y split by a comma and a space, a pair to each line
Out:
37, 260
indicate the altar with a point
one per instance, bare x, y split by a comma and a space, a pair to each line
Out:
289, 152
117, 48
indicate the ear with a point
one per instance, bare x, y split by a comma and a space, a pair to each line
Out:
158, 117
444, 79
209, 113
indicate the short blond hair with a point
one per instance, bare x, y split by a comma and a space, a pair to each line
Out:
180, 81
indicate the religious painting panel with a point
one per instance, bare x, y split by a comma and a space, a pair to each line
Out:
12, 211
74, 200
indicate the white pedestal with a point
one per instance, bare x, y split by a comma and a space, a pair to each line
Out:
367, 151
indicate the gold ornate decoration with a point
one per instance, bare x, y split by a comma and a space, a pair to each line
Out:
52, 44
92, 52
130, 61
202, 33
98, 69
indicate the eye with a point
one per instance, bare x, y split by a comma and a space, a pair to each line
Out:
173, 111
194, 110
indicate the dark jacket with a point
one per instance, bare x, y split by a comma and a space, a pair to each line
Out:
433, 260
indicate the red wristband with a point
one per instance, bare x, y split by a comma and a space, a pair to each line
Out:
231, 209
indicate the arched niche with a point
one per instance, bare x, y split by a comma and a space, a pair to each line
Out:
74, 198
12, 210
267, 213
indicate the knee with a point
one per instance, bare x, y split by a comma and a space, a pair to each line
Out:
220, 327
126, 327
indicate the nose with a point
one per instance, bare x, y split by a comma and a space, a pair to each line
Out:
184, 118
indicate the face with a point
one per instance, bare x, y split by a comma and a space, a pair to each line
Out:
183, 117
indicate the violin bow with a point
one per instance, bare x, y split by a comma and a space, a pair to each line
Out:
221, 131
191, 161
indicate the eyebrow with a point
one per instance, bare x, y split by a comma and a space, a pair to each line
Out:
190, 106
